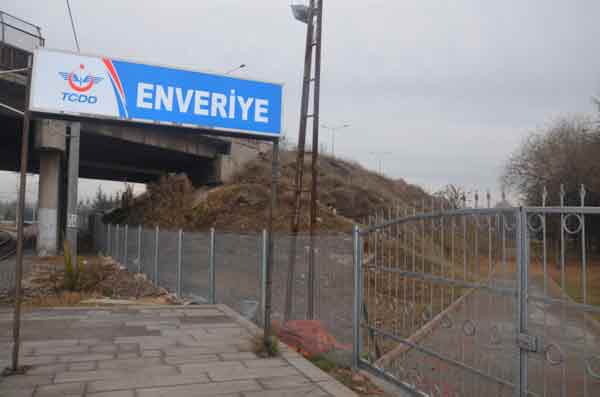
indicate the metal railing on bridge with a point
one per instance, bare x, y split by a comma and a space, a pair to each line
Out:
18, 38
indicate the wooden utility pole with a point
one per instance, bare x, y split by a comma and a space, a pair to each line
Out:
313, 46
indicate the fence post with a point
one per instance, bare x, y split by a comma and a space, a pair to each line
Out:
117, 245
107, 248
523, 280
263, 277
211, 269
179, 260
156, 232
357, 249
125, 246
139, 249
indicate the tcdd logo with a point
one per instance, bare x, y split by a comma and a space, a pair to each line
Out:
81, 82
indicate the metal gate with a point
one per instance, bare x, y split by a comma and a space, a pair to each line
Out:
481, 302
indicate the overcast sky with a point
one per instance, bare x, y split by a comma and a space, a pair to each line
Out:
449, 88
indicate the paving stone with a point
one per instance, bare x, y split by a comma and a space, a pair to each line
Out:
245, 347
64, 389
138, 382
205, 342
127, 356
140, 339
308, 369
151, 353
120, 393
228, 332
265, 363
208, 327
284, 382
19, 392
131, 363
195, 358
234, 373
84, 376
203, 312
306, 391
128, 347
208, 366
89, 341
85, 357
336, 389
204, 390
58, 350
51, 343
83, 366
37, 360
205, 319
108, 348
177, 351
238, 356
17, 381
49, 369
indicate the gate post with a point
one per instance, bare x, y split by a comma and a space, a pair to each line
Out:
357, 249
522, 293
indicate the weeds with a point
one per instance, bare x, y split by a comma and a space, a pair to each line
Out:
265, 347
73, 271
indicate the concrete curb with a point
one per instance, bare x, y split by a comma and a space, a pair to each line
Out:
316, 375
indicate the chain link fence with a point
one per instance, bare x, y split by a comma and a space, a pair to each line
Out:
230, 268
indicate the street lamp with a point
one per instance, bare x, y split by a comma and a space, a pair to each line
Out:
379, 157
333, 131
300, 10
242, 66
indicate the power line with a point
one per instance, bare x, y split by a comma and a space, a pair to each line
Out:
73, 26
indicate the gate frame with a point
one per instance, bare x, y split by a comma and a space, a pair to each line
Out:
525, 343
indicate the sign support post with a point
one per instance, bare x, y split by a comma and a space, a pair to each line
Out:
271, 243
15, 369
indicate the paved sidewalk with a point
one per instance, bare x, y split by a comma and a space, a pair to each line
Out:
152, 351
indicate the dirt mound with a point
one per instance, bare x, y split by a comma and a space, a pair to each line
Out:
347, 194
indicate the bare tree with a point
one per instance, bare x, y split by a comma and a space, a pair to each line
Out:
453, 196
564, 153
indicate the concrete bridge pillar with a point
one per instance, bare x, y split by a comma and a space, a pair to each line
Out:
50, 141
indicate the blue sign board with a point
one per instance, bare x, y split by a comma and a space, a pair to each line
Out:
66, 83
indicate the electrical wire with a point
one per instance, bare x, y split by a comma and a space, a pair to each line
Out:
73, 26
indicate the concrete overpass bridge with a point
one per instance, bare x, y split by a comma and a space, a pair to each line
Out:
108, 150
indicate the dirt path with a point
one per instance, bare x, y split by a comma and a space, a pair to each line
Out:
482, 335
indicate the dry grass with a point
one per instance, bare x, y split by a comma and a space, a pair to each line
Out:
347, 194
574, 281
263, 349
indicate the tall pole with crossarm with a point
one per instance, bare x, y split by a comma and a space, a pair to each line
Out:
312, 15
